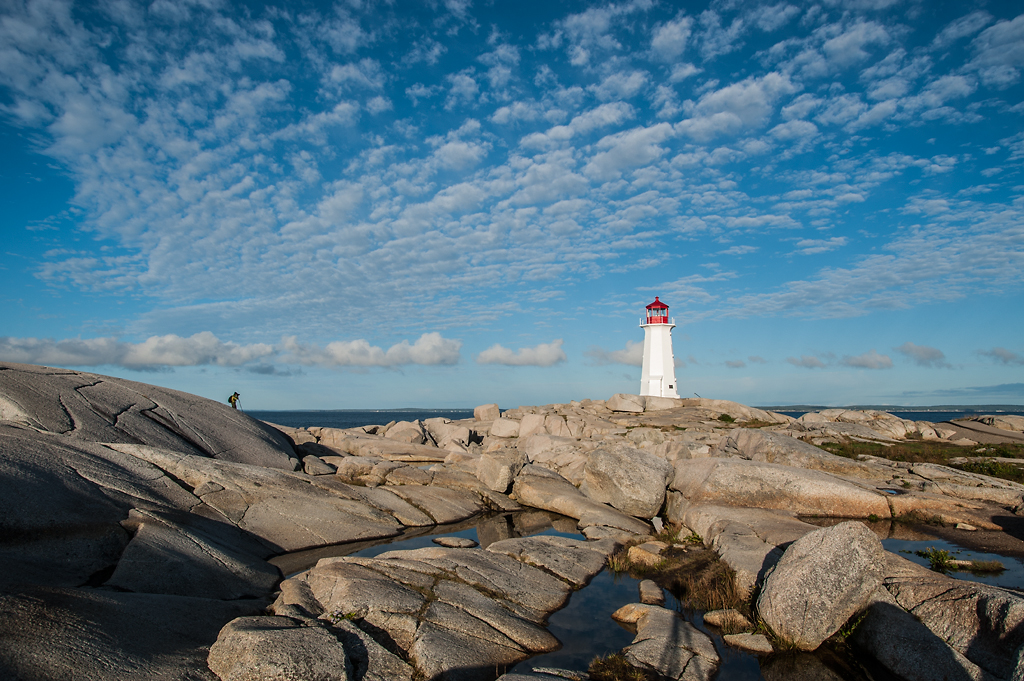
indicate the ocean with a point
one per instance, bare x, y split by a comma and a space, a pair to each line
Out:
353, 418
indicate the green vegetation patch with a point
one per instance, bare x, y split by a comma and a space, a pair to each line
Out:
929, 451
995, 469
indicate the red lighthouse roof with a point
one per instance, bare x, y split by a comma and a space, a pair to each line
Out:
657, 305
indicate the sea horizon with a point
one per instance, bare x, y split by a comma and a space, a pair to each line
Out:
355, 418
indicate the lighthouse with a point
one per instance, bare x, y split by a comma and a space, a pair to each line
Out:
658, 376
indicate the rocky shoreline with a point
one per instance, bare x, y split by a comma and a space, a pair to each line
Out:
138, 524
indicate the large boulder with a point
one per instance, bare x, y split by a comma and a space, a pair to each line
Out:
822, 580
409, 432
628, 479
498, 470
92, 408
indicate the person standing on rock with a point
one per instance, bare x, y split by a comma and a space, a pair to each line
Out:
233, 400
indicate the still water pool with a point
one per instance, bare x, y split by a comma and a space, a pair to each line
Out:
585, 627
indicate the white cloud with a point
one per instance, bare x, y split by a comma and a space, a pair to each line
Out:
961, 28
429, 349
623, 85
848, 48
462, 89
378, 105
999, 53
770, 18
716, 40
624, 150
668, 41
736, 107
735, 363
868, 360
923, 355
816, 246
631, 355
200, 349
542, 355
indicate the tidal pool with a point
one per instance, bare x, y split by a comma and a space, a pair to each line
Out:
585, 627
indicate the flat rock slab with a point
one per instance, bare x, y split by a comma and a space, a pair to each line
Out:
669, 645
543, 489
727, 618
651, 593
739, 482
572, 560
187, 555
442, 504
284, 509
441, 605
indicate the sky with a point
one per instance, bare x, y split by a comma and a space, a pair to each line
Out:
453, 202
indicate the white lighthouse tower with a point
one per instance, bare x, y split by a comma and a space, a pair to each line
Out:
658, 377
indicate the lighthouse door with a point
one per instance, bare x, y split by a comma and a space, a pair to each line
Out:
655, 387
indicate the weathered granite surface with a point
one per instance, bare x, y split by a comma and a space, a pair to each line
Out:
136, 524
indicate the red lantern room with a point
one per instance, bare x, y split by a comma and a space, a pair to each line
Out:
657, 312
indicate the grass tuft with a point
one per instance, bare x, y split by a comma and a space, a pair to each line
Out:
616, 667
982, 567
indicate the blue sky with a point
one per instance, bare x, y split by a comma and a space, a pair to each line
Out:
447, 203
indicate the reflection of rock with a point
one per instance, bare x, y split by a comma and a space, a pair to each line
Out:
496, 528
822, 580
797, 667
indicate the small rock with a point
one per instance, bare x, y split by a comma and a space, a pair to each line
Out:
965, 526
651, 593
504, 428
640, 556
455, 542
627, 403
727, 619
754, 643
314, 465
